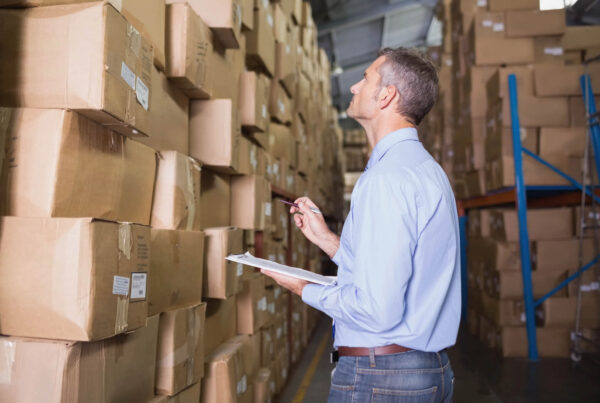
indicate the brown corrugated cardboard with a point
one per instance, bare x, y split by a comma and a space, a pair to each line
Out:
477, 80
225, 380
176, 269
549, 50
561, 311
560, 254
535, 23
53, 157
542, 224
247, 15
280, 23
180, 353
495, 51
280, 219
302, 155
282, 143
581, 37
489, 24
189, 46
268, 345
479, 222
220, 325
169, 126
214, 133
215, 196
260, 42
254, 100
279, 103
285, 66
177, 192
189, 395
506, 5
221, 276
302, 95
475, 181
538, 111
99, 64
83, 280
500, 173
552, 80
503, 312
554, 343
509, 284
225, 65
262, 393
569, 141
251, 305
591, 220
250, 202
500, 143
577, 109
223, 17
119, 369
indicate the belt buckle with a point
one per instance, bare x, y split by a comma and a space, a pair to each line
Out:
334, 357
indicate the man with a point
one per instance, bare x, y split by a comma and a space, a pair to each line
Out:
396, 305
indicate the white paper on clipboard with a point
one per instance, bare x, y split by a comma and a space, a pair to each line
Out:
295, 272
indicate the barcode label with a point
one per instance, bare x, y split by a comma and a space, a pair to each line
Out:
128, 75
120, 285
138, 285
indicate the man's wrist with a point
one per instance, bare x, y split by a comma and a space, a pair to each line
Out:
330, 244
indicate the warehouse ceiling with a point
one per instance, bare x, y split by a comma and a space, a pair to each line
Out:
353, 31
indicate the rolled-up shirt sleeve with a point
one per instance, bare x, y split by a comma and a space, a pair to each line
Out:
384, 239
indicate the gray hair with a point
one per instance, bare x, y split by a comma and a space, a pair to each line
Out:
415, 78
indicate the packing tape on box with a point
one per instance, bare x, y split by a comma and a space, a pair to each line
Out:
189, 194
122, 312
125, 240
186, 352
8, 349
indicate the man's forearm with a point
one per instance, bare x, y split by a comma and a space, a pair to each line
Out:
330, 244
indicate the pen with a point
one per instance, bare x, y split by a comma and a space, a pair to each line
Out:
314, 210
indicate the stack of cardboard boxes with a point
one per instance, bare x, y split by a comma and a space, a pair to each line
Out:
469, 133
356, 155
168, 128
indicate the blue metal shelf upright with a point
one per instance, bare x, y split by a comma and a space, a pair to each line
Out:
533, 196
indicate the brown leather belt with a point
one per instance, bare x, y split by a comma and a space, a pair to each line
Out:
383, 350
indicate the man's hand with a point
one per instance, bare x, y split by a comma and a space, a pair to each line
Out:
313, 226
293, 284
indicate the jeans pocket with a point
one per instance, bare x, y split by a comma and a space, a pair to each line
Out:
403, 396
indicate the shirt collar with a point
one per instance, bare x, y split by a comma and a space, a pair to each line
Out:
390, 140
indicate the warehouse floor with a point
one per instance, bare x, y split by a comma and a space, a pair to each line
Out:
482, 375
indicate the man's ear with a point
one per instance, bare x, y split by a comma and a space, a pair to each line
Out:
387, 96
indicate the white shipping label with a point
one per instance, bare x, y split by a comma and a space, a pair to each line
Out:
242, 385
287, 49
264, 111
290, 180
481, 3
271, 307
279, 332
138, 285
128, 75
268, 208
142, 93
265, 3
555, 51
277, 292
498, 27
272, 257
270, 20
487, 23
253, 159
240, 269
120, 285
261, 304
281, 106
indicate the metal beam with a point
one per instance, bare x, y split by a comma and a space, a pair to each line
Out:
362, 17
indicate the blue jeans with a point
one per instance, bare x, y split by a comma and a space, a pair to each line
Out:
413, 376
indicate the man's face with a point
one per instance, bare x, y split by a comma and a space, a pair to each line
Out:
366, 91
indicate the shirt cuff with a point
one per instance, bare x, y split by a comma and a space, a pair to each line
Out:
337, 258
311, 293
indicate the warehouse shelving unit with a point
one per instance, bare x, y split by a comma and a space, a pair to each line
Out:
533, 196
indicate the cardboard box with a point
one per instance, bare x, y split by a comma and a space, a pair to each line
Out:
177, 195
500, 143
84, 279
489, 24
220, 325
221, 276
542, 224
552, 80
52, 157
477, 96
577, 109
302, 158
497, 85
250, 202
189, 46
591, 219
560, 254
549, 50
247, 15
215, 197
279, 104
569, 141
555, 343
119, 369
103, 78
535, 23
280, 219
176, 269
250, 350
224, 19
581, 37
504, 312
509, 5
496, 51
260, 42
252, 158
561, 311
214, 133
262, 391
251, 305
268, 345
537, 111
226, 66
189, 395
479, 222
285, 67
282, 143
180, 353
509, 284
280, 23
500, 173
254, 100
225, 380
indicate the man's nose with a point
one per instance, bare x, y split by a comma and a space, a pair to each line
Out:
354, 89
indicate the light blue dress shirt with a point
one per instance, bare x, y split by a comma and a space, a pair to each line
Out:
399, 256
